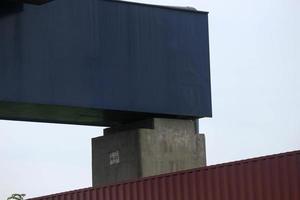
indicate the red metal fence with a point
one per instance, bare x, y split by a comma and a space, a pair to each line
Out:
274, 177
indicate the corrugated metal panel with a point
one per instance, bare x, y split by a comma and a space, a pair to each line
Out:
274, 177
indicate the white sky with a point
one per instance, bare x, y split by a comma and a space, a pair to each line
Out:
255, 64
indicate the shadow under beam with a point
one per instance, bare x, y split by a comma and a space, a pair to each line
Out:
9, 8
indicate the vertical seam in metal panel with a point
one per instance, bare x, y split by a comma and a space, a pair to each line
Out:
275, 179
90, 191
215, 184
184, 186
263, 178
229, 182
205, 186
197, 187
241, 180
201, 185
128, 190
298, 174
121, 193
268, 168
141, 191
221, 184
163, 192
154, 189
252, 179
171, 188
88, 194
107, 191
145, 189
257, 181
94, 197
114, 191
211, 183
234, 177
192, 185
268, 177
101, 193
277, 175
247, 184
292, 173
175, 187
179, 185
82, 195
286, 183
77, 196
148, 189
225, 179
133, 191
167, 187
158, 187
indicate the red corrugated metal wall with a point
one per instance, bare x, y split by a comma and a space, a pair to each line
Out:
268, 178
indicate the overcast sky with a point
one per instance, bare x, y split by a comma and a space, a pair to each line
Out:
255, 64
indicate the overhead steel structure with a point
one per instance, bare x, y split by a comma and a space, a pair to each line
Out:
103, 63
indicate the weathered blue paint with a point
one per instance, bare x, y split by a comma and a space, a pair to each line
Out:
104, 56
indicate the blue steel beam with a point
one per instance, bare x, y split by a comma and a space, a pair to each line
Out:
100, 62
36, 2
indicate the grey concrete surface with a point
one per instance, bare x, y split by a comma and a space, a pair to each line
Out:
147, 148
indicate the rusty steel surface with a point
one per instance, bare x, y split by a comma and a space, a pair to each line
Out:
275, 177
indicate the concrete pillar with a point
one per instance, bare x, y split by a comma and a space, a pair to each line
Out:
146, 148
